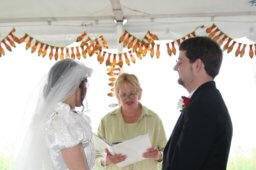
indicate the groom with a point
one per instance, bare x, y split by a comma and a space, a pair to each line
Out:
202, 135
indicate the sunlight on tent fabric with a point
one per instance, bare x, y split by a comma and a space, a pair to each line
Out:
21, 72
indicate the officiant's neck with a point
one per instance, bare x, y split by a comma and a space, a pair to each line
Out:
197, 82
131, 115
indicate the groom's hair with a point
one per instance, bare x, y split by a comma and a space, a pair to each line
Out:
205, 49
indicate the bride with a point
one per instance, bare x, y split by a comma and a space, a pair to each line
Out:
59, 137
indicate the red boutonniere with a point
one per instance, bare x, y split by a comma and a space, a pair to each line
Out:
184, 102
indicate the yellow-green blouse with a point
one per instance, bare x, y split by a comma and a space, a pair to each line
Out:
113, 129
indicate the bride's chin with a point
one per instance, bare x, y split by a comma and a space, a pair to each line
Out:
79, 105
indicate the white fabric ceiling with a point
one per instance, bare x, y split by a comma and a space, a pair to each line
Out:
58, 22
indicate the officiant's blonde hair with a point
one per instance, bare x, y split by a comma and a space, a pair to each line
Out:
131, 79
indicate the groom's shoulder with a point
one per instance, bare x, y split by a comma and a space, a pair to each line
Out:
207, 96
207, 92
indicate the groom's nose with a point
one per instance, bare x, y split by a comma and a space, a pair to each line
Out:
175, 68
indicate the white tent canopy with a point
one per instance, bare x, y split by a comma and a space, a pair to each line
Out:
59, 22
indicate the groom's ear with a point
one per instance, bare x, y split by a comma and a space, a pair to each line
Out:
198, 65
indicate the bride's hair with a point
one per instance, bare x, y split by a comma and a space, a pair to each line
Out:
56, 72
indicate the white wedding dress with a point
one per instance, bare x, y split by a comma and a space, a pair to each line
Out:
65, 129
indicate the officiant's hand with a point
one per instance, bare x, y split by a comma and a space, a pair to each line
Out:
152, 153
113, 159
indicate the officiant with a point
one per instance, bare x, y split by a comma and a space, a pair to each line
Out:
131, 119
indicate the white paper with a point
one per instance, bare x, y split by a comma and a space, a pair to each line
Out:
132, 148
100, 144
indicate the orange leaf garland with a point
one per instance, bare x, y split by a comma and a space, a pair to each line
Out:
127, 61
34, 47
80, 38
51, 52
61, 53
6, 45
230, 48
78, 54
133, 59
158, 51
56, 55
67, 53
10, 41
23, 38
208, 30
152, 51
72, 53
1, 50
251, 54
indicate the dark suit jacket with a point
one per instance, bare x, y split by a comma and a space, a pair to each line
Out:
202, 135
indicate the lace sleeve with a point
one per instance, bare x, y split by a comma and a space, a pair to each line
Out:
63, 130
